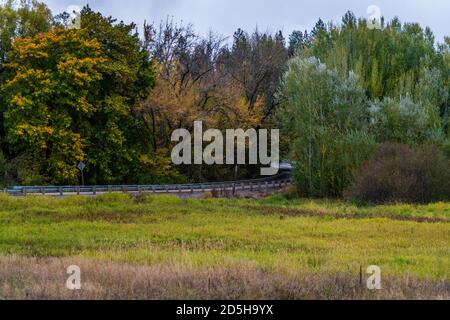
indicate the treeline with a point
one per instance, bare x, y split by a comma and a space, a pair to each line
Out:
109, 97
105, 95
350, 91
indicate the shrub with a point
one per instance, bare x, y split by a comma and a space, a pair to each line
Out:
398, 173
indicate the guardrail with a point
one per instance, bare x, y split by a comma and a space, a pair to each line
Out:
275, 182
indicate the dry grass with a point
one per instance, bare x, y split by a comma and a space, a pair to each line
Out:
170, 248
45, 278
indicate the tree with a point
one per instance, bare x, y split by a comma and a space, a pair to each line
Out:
186, 79
323, 115
27, 19
17, 19
413, 119
194, 84
70, 96
296, 41
118, 137
50, 94
256, 63
388, 62
402, 121
2, 169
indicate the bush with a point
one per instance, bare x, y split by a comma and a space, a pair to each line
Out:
398, 173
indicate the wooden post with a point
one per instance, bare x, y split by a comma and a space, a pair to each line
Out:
360, 275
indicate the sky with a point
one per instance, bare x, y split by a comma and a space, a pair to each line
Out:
225, 16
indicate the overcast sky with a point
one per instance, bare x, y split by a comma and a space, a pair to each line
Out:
225, 16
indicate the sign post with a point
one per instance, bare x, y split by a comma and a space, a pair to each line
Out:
81, 166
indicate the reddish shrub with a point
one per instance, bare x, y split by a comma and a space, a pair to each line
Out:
398, 173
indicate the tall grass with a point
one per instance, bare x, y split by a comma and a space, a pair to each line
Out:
30, 278
290, 239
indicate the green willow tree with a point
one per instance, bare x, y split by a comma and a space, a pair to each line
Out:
323, 115
388, 62
401, 78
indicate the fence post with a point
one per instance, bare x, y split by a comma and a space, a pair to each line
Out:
61, 193
78, 190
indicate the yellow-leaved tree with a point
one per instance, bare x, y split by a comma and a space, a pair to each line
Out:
48, 93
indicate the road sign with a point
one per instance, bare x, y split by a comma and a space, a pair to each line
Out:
81, 166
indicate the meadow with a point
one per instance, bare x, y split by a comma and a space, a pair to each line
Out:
163, 247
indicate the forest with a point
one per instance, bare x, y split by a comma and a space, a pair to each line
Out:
364, 113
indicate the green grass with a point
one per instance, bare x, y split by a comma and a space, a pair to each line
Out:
291, 237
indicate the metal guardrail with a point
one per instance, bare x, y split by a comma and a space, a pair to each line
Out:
274, 182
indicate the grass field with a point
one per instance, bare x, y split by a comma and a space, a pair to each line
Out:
167, 248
